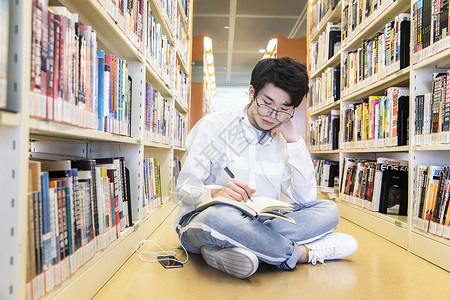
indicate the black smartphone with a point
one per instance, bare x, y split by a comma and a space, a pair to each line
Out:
169, 262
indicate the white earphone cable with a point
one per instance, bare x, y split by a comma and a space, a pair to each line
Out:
161, 252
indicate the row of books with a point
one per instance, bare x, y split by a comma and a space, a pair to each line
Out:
377, 121
159, 51
151, 197
129, 16
72, 81
176, 168
180, 129
380, 56
75, 209
186, 4
319, 9
432, 112
182, 86
325, 89
431, 22
182, 37
324, 132
4, 34
327, 45
158, 116
327, 172
380, 185
355, 12
431, 211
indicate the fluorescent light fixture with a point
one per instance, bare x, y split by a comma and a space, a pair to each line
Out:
226, 27
262, 51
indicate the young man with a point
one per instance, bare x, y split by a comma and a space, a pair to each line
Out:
259, 144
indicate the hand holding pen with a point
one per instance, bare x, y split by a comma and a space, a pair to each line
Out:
237, 189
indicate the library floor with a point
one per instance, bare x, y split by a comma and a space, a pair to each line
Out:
377, 270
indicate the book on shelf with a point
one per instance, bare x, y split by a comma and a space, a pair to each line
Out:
115, 170
432, 117
71, 214
152, 184
157, 116
326, 172
394, 187
380, 185
4, 36
333, 37
324, 131
431, 195
379, 56
377, 121
256, 207
69, 81
431, 22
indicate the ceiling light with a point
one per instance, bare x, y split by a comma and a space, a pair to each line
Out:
262, 51
226, 27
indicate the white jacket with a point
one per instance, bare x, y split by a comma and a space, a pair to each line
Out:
227, 139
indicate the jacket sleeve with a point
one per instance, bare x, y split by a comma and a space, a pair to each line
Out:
191, 189
299, 182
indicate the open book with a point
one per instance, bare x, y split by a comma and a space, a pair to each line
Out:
258, 206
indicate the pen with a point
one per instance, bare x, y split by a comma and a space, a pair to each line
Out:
232, 176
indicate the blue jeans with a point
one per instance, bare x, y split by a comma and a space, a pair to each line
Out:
273, 241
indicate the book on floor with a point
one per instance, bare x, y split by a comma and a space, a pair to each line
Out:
255, 208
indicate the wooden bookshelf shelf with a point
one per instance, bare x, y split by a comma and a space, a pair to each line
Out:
376, 22
156, 81
88, 280
378, 87
418, 79
151, 144
182, 62
324, 151
28, 141
181, 149
438, 58
9, 118
376, 150
326, 109
393, 228
108, 32
181, 107
432, 248
182, 13
437, 147
331, 16
162, 19
51, 129
332, 62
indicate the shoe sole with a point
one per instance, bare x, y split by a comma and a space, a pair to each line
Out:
237, 262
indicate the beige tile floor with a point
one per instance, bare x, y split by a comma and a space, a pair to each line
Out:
377, 270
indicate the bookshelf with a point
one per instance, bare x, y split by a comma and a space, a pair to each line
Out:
203, 84
25, 138
420, 150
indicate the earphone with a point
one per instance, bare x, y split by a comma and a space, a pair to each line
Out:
161, 252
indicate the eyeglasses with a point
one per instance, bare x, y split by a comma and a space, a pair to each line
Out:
265, 110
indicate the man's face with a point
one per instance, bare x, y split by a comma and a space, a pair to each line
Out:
269, 107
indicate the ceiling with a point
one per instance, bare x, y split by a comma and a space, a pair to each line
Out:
251, 24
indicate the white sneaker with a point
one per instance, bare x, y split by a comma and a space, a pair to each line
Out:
237, 262
333, 245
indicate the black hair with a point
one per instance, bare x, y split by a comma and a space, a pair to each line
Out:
285, 73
